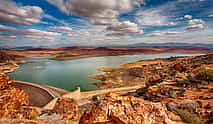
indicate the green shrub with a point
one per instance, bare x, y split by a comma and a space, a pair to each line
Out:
95, 98
205, 74
203, 88
136, 72
141, 91
188, 117
211, 90
188, 77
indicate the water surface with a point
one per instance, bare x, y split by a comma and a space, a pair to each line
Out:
69, 74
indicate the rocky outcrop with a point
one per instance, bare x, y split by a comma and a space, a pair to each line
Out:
190, 105
14, 107
161, 91
179, 67
67, 108
4, 81
114, 109
155, 71
13, 101
8, 57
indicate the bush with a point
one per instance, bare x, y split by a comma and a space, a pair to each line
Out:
95, 98
205, 74
211, 90
141, 91
188, 117
136, 72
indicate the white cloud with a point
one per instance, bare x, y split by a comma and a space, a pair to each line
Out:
126, 26
196, 36
37, 38
196, 21
188, 16
28, 31
116, 34
172, 32
40, 32
55, 19
195, 26
153, 17
190, 0
25, 15
98, 11
167, 33
61, 28
7, 37
184, 17
210, 15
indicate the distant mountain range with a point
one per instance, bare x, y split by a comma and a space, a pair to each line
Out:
197, 45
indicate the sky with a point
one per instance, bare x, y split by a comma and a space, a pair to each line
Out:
57, 23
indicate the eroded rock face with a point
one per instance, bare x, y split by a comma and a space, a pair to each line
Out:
160, 91
179, 67
67, 108
4, 81
128, 110
13, 100
190, 105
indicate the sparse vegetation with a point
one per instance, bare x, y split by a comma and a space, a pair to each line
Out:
188, 117
5, 57
205, 74
95, 98
136, 72
141, 91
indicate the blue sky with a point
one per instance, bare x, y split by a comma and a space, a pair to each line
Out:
104, 22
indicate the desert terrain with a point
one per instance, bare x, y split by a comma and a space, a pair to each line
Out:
174, 90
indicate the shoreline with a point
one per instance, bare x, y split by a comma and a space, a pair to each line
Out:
126, 54
98, 84
124, 74
94, 76
8, 67
45, 101
71, 53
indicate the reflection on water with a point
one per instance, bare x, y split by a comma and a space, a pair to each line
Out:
69, 74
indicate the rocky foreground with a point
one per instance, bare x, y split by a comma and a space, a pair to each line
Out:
173, 91
184, 84
14, 108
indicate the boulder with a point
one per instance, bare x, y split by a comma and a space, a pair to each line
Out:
179, 67
11, 101
67, 108
113, 109
4, 81
189, 105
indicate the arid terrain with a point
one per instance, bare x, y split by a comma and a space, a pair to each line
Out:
174, 81
68, 53
174, 90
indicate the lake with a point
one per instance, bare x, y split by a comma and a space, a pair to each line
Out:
69, 74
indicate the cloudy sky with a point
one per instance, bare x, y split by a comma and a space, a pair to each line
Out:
104, 22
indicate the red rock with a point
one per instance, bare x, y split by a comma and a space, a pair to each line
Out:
4, 81
128, 110
68, 108
12, 101
179, 67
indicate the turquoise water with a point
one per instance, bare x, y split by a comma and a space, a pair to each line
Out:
69, 74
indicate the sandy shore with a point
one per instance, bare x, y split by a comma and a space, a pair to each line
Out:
47, 93
136, 53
